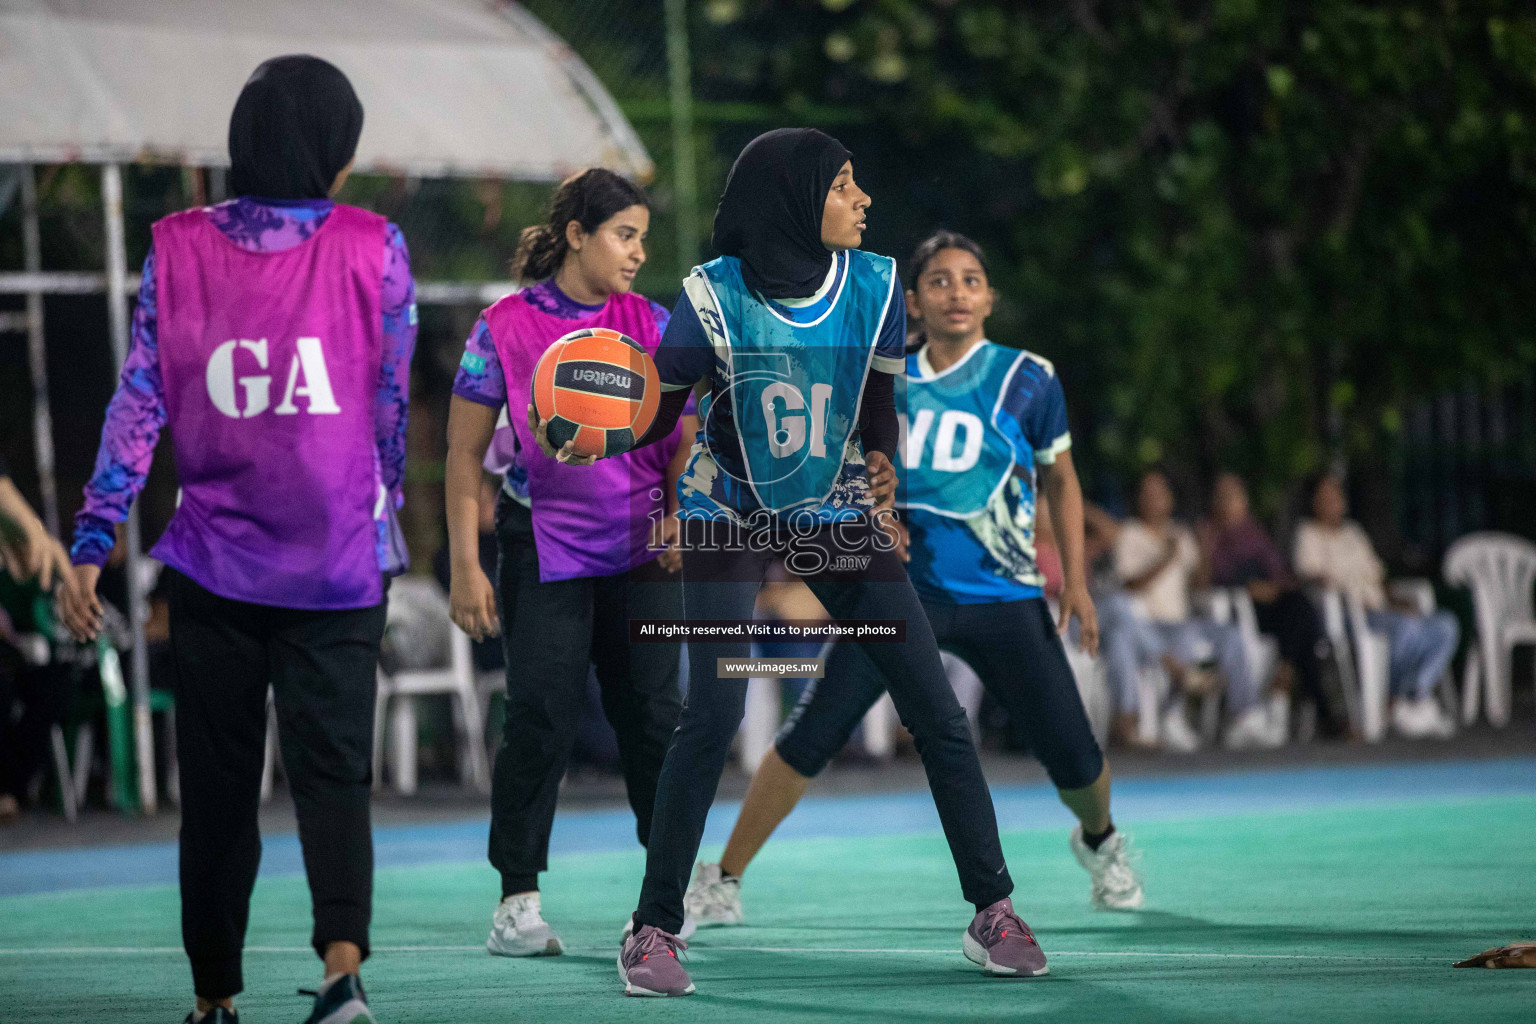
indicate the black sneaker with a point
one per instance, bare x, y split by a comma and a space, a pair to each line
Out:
217, 1015
344, 1002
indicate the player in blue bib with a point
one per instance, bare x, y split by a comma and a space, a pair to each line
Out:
797, 337
981, 420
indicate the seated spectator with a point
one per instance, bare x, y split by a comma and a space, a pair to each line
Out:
1156, 560
32, 698
1335, 552
1241, 554
1100, 532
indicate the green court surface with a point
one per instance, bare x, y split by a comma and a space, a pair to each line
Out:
1339, 914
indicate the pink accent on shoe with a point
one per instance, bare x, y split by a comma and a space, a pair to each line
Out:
666, 977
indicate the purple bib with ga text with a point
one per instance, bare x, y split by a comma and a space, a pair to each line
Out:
271, 364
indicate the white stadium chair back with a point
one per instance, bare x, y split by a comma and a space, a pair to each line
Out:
425, 638
1365, 665
1500, 570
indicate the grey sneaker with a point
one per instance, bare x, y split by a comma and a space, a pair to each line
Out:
519, 929
1000, 941
648, 964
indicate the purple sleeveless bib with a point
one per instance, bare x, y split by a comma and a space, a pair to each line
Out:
271, 363
587, 520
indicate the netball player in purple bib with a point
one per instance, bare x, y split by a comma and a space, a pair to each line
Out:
273, 338
577, 556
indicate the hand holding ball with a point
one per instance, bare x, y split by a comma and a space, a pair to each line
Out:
596, 389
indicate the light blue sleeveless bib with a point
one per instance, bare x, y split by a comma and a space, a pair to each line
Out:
795, 388
955, 457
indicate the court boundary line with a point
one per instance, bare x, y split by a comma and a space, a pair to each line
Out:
19, 951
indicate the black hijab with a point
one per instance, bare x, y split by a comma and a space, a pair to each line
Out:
294, 128
770, 214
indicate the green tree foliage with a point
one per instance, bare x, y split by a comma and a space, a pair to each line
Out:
1249, 232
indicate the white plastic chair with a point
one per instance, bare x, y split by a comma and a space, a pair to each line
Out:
1233, 604
1152, 688
397, 693
1500, 569
1093, 688
1367, 668
1092, 682
761, 720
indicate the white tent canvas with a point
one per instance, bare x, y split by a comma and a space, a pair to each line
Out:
449, 87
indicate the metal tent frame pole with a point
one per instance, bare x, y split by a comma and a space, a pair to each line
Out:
37, 353
37, 356
117, 308
684, 174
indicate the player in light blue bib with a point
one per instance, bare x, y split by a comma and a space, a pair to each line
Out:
981, 420
780, 428
798, 336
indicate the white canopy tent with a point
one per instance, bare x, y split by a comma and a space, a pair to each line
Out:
450, 88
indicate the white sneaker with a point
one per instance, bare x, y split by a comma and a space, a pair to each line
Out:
1444, 723
711, 901
1176, 733
518, 929
1116, 885
1421, 718
1253, 729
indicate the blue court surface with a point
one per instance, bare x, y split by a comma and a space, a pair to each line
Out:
1295, 894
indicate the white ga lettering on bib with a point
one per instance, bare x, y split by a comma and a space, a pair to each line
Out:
308, 360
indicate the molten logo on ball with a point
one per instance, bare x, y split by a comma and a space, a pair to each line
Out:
601, 377
598, 389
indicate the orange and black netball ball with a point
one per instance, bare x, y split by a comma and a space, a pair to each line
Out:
598, 388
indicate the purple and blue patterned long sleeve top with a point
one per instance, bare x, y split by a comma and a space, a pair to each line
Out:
137, 412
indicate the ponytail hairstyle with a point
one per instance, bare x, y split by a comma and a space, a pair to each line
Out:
923, 255
937, 243
589, 198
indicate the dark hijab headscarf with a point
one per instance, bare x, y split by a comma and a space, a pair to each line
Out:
770, 214
294, 128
